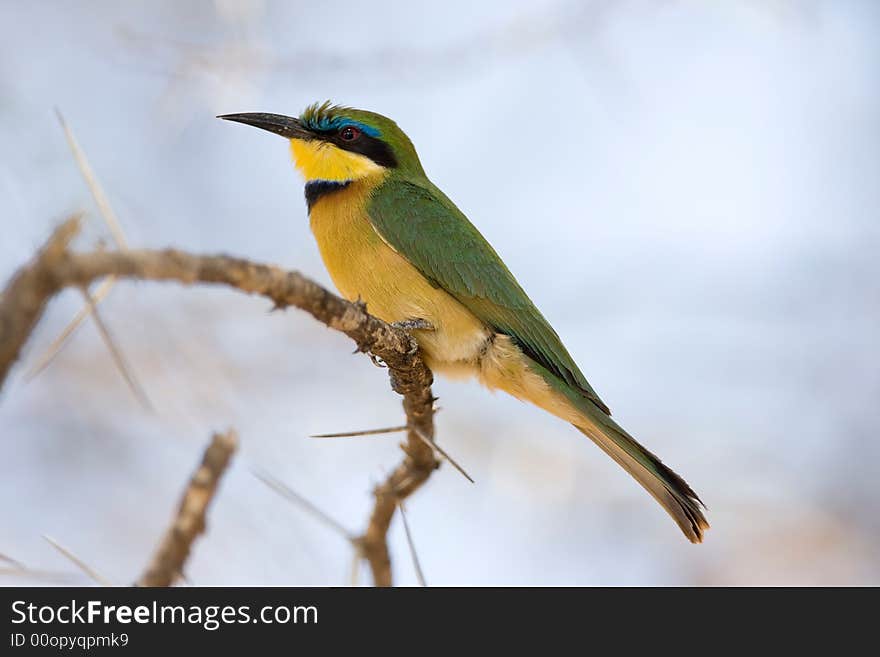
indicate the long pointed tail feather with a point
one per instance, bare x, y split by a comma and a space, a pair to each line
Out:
669, 489
511, 370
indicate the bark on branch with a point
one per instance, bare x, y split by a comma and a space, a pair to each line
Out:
189, 522
56, 267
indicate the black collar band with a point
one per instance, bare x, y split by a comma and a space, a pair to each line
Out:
316, 189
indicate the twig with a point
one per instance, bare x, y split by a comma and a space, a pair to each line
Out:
116, 353
292, 496
169, 559
365, 432
18, 569
355, 573
12, 562
79, 563
412, 546
94, 186
91, 307
433, 445
25, 296
55, 268
40, 575
81, 315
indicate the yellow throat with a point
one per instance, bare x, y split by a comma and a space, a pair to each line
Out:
320, 160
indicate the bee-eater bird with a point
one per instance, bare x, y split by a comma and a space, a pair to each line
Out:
390, 237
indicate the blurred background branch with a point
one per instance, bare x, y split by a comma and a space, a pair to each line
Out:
55, 268
170, 557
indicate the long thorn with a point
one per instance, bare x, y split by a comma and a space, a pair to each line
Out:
94, 186
115, 227
355, 575
79, 563
430, 443
42, 575
292, 496
412, 546
12, 562
120, 361
365, 432
58, 343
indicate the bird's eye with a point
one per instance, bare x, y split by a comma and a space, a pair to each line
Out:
349, 133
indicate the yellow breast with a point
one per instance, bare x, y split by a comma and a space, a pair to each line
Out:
363, 266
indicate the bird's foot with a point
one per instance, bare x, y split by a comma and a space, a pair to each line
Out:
416, 324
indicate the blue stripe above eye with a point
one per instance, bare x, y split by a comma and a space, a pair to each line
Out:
325, 124
363, 127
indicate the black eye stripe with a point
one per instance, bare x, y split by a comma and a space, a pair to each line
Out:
373, 148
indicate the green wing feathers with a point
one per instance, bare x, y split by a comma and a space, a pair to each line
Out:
424, 226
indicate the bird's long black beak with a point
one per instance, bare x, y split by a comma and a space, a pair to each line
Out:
286, 126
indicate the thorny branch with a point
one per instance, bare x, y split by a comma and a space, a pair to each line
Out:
55, 267
168, 561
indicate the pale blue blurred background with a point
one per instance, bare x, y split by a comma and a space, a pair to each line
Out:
689, 190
